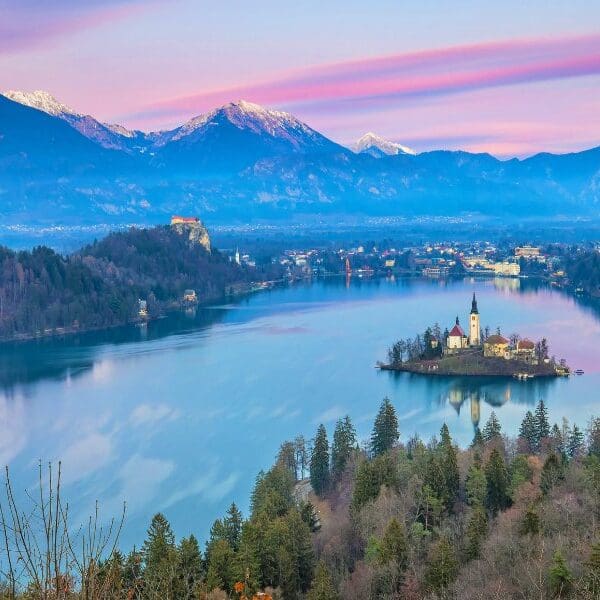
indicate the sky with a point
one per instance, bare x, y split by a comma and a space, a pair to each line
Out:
511, 78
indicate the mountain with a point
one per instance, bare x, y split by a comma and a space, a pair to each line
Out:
242, 162
235, 136
376, 146
106, 134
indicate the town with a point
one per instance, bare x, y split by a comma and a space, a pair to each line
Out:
506, 261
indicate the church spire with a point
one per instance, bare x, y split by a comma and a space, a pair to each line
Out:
474, 310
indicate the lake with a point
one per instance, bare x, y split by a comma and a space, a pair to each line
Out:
179, 416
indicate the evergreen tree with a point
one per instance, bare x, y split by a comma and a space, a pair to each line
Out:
442, 566
394, 546
497, 483
531, 522
385, 431
294, 554
561, 579
593, 441
520, 472
476, 485
189, 568
558, 441
220, 572
542, 426
478, 440
160, 559
232, 526
449, 465
575, 442
492, 428
476, 532
344, 443
529, 432
322, 587
592, 572
552, 473
370, 476
319, 462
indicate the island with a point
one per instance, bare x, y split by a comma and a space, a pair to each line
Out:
478, 354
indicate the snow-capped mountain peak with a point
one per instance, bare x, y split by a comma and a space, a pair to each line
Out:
374, 144
252, 117
41, 100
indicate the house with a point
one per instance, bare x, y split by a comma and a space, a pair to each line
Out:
496, 346
525, 350
190, 296
142, 309
457, 339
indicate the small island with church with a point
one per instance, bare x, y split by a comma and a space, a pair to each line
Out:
479, 353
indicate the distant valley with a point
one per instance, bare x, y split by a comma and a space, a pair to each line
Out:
245, 163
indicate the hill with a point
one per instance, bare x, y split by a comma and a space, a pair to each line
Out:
42, 292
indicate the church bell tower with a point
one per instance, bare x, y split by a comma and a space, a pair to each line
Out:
474, 324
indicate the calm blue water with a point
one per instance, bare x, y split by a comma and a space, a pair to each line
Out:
180, 416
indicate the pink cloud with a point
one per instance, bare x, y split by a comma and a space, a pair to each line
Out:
26, 26
372, 81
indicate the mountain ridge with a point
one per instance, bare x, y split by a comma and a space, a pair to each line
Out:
245, 162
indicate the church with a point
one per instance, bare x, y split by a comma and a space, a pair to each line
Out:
458, 340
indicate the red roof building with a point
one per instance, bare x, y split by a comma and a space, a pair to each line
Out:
457, 331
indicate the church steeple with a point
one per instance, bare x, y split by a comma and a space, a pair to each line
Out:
474, 310
474, 324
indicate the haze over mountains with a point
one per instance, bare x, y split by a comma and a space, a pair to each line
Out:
243, 162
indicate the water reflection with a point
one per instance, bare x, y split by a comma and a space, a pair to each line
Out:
157, 415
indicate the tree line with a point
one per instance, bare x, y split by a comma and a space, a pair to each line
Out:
43, 292
382, 519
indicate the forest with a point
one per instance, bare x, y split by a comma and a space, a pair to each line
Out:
42, 292
583, 270
389, 518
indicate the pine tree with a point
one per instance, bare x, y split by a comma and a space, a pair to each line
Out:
189, 568
552, 473
476, 532
344, 443
232, 526
575, 442
529, 433
531, 522
220, 572
558, 442
476, 485
561, 579
319, 462
449, 465
160, 558
593, 441
322, 587
385, 431
492, 428
442, 566
478, 440
394, 546
542, 426
497, 483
